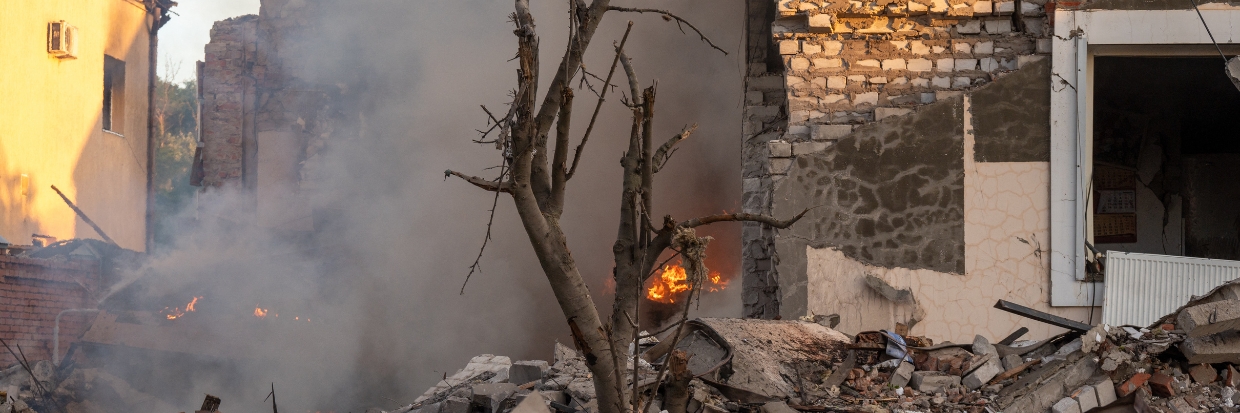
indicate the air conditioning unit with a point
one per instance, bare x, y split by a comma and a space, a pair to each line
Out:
62, 40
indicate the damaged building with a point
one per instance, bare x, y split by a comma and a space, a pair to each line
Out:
1073, 157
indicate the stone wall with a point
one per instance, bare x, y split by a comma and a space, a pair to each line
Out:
894, 192
225, 89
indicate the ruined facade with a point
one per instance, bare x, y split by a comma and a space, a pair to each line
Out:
267, 112
928, 138
33, 292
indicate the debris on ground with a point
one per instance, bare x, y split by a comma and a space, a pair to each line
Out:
1185, 363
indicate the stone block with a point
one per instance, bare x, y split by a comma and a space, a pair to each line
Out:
981, 375
927, 97
798, 63
1066, 405
1086, 397
883, 113
532, 403
820, 22
833, 98
961, 82
819, 82
1215, 348
1042, 46
810, 48
893, 64
1209, 318
1004, 8
753, 98
970, 27
868, 98
1104, 390
832, 47
1010, 361
902, 375
868, 63
836, 82
764, 111
829, 132
919, 48
523, 372
962, 47
787, 47
454, 405
941, 82
920, 65
982, 7
824, 64
933, 381
805, 148
988, 64
1003, 26
793, 80
489, 397
966, 64
780, 166
919, 82
766, 82
945, 64
878, 80
857, 79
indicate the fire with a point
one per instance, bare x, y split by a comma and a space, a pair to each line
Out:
673, 281
176, 313
260, 312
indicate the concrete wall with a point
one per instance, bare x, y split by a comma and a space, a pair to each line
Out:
51, 132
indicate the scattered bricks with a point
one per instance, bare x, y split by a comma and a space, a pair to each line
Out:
789, 46
798, 63
1203, 373
830, 132
868, 63
1210, 318
920, 65
779, 149
805, 148
982, 7
1086, 397
868, 98
945, 64
970, 27
1003, 26
824, 64
1128, 387
933, 381
919, 48
1179, 405
1162, 385
893, 64
1215, 348
811, 48
836, 82
966, 64
1066, 405
883, 113
1104, 392
903, 374
820, 22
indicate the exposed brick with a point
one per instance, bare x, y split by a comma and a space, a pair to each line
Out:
1162, 385
1132, 384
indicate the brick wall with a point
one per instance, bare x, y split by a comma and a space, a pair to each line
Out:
225, 85
32, 292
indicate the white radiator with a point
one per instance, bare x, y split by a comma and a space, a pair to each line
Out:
1141, 288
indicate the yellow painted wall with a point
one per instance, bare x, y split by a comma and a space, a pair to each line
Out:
51, 127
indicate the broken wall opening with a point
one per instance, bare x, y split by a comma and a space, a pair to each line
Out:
1166, 157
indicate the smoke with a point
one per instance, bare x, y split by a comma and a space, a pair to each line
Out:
381, 284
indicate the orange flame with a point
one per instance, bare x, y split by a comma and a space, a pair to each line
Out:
673, 282
176, 313
259, 312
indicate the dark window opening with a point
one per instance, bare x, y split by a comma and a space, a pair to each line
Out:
113, 95
1166, 152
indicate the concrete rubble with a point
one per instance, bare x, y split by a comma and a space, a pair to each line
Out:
750, 366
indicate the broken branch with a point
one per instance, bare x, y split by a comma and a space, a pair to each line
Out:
490, 186
85, 218
741, 216
666, 14
664, 153
599, 105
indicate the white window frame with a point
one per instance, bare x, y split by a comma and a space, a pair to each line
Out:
1080, 35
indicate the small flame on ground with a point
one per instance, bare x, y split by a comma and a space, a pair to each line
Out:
673, 282
260, 312
175, 313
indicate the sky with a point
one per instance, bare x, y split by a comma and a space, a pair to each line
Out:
182, 39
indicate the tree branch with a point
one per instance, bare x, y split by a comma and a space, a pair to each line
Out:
497, 185
558, 171
606, 85
746, 217
664, 153
668, 15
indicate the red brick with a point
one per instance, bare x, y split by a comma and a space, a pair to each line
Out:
1162, 385
1134, 383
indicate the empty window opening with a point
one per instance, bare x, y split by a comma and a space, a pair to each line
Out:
113, 95
1166, 157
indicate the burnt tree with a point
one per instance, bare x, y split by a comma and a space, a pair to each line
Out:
535, 173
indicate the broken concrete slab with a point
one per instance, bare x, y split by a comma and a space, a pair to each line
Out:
933, 381
982, 375
486, 364
777, 407
523, 372
532, 403
1066, 405
1215, 348
901, 376
764, 354
1086, 397
1104, 389
489, 397
1209, 318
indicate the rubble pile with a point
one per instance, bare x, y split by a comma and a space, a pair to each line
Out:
1185, 363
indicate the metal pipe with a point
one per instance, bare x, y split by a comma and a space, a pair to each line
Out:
56, 332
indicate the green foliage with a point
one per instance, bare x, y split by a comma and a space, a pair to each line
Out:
176, 120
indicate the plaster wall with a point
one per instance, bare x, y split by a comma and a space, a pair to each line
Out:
51, 132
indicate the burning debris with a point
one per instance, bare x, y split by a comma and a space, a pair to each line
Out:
1185, 363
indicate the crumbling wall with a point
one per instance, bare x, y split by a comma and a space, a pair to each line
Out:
891, 194
32, 292
225, 90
